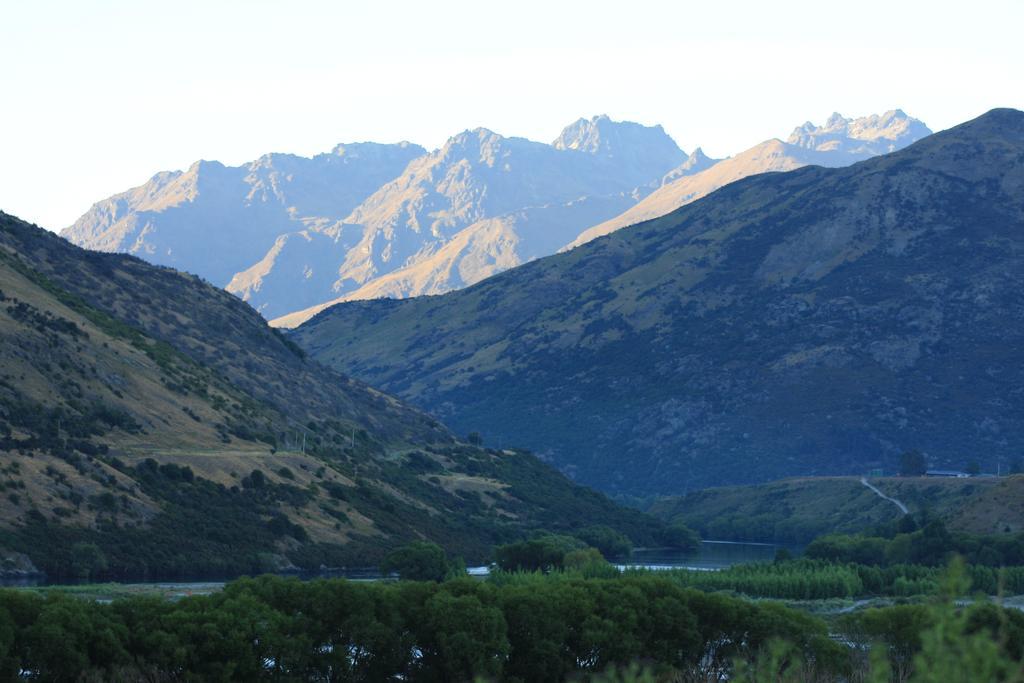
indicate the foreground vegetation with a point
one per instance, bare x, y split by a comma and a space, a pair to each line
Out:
530, 627
517, 626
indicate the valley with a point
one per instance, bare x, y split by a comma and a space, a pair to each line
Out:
742, 365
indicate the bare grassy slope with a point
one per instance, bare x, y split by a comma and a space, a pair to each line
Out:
158, 417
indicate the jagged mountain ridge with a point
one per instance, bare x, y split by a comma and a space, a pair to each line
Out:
115, 374
292, 236
290, 257
492, 245
840, 142
216, 220
399, 241
812, 322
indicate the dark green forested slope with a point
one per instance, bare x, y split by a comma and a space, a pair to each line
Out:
153, 425
814, 322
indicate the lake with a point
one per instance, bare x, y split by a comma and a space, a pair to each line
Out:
711, 555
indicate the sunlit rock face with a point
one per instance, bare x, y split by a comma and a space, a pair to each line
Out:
217, 220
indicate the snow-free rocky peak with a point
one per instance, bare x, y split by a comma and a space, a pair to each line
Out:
638, 149
875, 134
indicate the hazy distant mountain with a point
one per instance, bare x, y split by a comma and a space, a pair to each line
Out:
480, 204
862, 138
292, 236
695, 163
285, 233
840, 142
216, 220
638, 153
813, 322
487, 247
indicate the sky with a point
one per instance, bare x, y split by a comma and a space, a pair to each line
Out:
99, 96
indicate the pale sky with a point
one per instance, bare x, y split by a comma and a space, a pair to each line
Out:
97, 96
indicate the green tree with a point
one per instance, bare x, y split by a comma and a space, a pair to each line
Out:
973, 468
417, 561
462, 638
950, 651
680, 536
589, 563
8, 659
611, 543
71, 637
539, 615
87, 560
912, 464
543, 553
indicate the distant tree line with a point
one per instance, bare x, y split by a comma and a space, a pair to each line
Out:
932, 544
806, 579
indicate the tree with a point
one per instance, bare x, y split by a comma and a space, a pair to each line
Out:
680, 536
255, 480
87, 560
906, 525
1016, 466
417, 561
537, 554
608, 541
589, 563
912, 464
973, 468
8, 662
461, 638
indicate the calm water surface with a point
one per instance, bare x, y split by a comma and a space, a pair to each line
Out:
710, 556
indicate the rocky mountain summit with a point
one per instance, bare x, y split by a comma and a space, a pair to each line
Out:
865, 136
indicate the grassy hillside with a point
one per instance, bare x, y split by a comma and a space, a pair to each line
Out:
798, 510
153, 425
818, 322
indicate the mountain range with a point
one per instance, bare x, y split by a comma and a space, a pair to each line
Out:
292, 235
156, 421
819, 321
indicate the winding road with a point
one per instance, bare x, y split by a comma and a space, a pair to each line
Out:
901, 506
